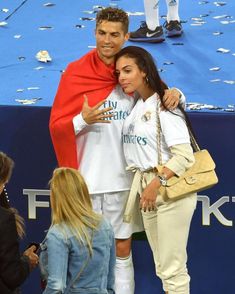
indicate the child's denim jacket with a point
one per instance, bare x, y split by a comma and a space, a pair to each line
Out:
67, 266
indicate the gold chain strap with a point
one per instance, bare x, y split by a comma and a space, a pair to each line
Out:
158, 136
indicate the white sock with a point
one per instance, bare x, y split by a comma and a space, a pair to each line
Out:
151, 8
124, 276
172, 10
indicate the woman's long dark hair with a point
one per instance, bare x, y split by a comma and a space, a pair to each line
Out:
6, 167
147, 64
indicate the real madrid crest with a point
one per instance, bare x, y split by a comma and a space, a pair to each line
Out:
146, 116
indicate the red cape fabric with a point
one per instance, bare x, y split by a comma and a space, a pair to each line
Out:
88, 75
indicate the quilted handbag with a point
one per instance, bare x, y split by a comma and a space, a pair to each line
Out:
199, 177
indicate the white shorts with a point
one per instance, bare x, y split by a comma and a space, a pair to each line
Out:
112, 206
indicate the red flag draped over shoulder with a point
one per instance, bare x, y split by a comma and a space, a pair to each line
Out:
90, 76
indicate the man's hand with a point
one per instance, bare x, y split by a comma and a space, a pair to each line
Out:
171, 98
92, 115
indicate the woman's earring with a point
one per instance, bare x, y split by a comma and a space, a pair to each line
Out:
146, 79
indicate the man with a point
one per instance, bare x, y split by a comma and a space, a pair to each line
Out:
88, 137
151, 31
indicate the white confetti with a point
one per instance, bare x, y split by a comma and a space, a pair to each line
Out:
227, 21
220, 16
3, 23
5, 10
196, 24
98, 7
88, 11
79, 26
203, 2
223, 50
43, 28
200, 22
229, 109
196, 18
215, 68
33, 88
220, 3
87, 18
49, 4
215, 80
229, 82
28, 101
217, 33
39, 67
135, 13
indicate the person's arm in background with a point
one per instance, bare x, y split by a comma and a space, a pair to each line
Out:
14, 268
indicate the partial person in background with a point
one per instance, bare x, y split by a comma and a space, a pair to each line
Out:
166, 222
14, 267
86, 136
78, 253
151, 30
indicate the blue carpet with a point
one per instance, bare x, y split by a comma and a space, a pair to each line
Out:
185, 62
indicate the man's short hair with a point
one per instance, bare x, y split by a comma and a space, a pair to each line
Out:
115, 15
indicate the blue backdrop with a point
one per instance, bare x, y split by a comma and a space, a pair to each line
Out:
186, 62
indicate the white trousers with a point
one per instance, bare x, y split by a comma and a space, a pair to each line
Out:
167, 230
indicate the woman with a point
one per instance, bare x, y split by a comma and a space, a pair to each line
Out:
14, 268
78, 253
166, 222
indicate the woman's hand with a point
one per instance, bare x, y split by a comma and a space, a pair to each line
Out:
33, 257
92, 115
149, 195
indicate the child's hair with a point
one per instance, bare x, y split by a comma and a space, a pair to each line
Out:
71, 205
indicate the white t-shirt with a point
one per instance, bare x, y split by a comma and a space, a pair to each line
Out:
140, 134
99, 147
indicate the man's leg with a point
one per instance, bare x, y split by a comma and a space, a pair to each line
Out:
113, 209
112, 206
124, 274
172, 25
172, 10
151, 8
150, 31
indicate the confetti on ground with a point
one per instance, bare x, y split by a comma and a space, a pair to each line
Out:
222, 50
215, 68
28, 101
